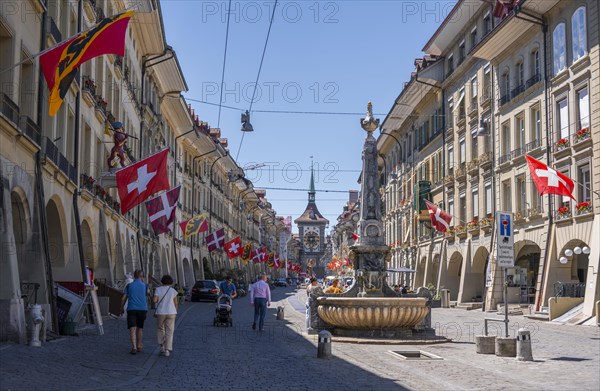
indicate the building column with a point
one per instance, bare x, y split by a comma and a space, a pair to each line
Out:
12, 312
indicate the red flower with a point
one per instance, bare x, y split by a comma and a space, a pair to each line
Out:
563, 210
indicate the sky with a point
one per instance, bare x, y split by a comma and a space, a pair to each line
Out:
322, 56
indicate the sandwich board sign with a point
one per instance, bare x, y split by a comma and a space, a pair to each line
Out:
505, 245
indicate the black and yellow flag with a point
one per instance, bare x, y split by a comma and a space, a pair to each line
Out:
247, 252
60, 64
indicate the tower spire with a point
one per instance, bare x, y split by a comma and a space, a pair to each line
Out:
311, 191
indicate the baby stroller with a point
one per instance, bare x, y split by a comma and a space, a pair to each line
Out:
223, 311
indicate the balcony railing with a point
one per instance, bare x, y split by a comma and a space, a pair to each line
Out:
31, 129
504, 158
515, 153
533, 145
486, 97
533, 80
63, 164
504, 100
517, 90
10, 109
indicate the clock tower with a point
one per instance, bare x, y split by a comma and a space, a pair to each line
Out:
311, 226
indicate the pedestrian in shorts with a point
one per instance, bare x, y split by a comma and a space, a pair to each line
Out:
135, 294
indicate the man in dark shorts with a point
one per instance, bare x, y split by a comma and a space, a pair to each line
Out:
135, 294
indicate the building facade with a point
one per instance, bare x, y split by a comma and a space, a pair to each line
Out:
508, 81
59, 206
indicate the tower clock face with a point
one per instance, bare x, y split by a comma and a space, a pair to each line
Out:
312, 239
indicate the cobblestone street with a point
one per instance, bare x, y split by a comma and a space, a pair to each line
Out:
284, 355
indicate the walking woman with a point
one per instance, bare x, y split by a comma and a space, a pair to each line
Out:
165, 298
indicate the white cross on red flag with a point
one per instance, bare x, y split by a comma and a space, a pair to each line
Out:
138, 181
548, 180
234, 248
215, 240
161, 210
276, 262
440, 219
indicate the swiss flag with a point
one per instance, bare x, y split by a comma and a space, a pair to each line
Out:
276, 261
256, 255
161, 210
234, 248
548, 180
138, 181
215, 240
439, 219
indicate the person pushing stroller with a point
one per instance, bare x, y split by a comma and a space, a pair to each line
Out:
228, 288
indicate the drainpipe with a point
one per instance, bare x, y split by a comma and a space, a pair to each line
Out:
548, 157
76, 163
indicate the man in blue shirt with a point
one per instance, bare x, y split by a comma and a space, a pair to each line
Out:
135, 294
228, 288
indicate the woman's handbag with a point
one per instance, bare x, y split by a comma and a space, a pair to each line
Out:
161, 299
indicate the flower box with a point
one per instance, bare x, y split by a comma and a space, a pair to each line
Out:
461, 231
583, 208
583, 134
473, 226
564, 212
562, 144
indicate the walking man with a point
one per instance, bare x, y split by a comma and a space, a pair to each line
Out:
260, 297
135, 294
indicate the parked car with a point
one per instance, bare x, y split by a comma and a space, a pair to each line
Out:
205, 290
281, 282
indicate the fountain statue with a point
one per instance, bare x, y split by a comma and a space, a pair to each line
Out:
370, 308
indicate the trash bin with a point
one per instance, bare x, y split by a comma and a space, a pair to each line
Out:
445, 298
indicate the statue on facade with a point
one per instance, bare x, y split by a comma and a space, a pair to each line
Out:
120, 138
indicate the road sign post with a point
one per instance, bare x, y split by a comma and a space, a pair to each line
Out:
505, 246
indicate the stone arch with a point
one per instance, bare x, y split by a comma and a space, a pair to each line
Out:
452, 281
90, 246
420, 272
577, 263
474, 280
527, 258
432, 271
117, 256
164, 261
196, 269
188, 277
31, 266
55, 218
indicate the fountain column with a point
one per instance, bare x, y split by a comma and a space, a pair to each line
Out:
370, 253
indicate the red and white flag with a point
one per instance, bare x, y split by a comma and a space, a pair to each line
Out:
161, 210
439, 218
215, 240
276, 261
262, 254
234, 248
138, 181
256, 255
548, 180
354, 236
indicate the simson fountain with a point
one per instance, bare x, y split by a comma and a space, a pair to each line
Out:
370, 308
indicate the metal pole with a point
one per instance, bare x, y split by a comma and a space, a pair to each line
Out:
506, 301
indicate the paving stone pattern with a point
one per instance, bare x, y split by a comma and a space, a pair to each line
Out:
284, 357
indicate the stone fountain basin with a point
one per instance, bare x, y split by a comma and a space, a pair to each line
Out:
367, 313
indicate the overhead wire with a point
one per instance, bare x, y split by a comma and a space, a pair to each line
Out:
258, 75
224, 62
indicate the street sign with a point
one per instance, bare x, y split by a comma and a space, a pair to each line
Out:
506, 241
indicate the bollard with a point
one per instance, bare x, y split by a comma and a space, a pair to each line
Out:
524, 346
37, 321
324, 347
506, 347
280, 313
485, 344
